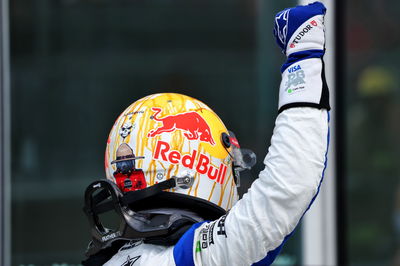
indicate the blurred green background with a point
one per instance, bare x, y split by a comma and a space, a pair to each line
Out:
372, 150
76, 64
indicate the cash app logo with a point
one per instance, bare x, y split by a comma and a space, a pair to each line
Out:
198, 246
295, 79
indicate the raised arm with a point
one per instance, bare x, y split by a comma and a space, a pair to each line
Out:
257, 226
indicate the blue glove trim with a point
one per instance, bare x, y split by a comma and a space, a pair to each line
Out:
290, 19
302, 55
183, 250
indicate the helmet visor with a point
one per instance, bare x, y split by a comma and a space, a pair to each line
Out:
242, 158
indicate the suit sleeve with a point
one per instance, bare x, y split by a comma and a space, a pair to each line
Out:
255, 229
257, 226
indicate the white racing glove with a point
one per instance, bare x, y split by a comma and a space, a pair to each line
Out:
299, 31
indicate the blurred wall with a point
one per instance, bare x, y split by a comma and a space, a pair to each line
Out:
372, 129
76, 64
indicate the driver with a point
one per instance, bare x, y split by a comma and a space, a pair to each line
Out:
188, 212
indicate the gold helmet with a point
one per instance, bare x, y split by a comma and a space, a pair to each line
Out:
179, 137
188, 171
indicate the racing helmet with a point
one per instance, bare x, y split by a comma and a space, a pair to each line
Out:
165, 152
179, 136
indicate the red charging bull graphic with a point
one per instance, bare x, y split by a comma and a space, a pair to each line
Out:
191, 123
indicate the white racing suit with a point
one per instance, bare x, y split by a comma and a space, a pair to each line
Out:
255, 229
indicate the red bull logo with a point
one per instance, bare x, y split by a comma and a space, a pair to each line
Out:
201, 164
191, 123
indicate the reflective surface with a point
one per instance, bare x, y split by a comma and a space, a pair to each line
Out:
77, 64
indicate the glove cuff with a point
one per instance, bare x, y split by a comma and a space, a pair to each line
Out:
296, 57
304, 83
